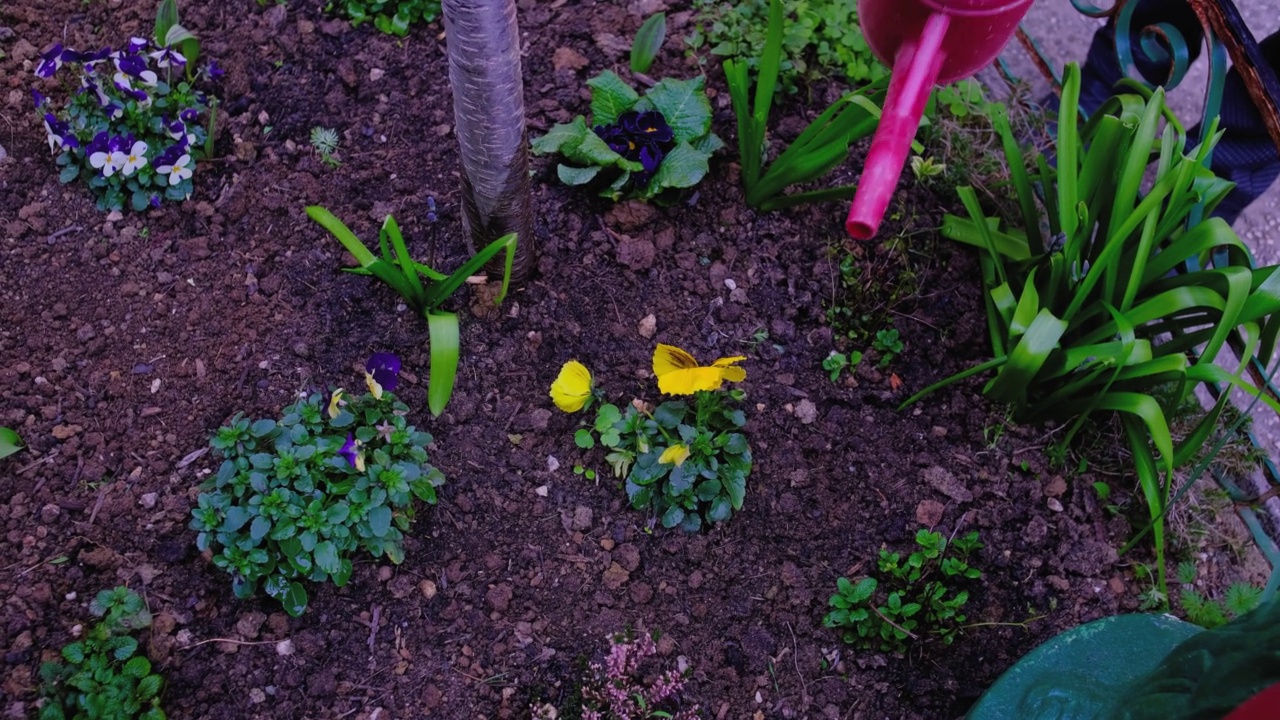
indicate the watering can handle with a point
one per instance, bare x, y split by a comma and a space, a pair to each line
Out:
915, 69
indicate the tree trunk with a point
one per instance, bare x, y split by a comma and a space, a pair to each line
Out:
488, 107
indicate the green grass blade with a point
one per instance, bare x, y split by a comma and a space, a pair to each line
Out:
1153, 490
992, 364
770, 62
1069, 149
966, 231
749, 149
1026, 358
390, 229
445, 344
1021, 182
648, 42
381, 269
439, 291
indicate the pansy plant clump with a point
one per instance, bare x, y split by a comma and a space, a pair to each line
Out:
132, 122
636, 147
296, 498
686, 460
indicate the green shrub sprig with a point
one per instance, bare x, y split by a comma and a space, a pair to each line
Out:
914, 597
101, 676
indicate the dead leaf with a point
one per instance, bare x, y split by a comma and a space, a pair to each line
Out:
895, 382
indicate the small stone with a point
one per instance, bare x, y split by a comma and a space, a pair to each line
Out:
648, 326
636, 253
929, 512
566, 58
946, 483
641, 593
250, 624
148, 500
628, 556
428, 589
542, 490
1059, 583
257, 696
1116, 584
607, 544
1054, 504
63, 432
806, 411
376, 74
384, 573
616, 576
1056, 486
499, 597
284, 648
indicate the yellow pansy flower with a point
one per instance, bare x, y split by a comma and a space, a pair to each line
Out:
680, 374
675, 455
335, 403
572, 388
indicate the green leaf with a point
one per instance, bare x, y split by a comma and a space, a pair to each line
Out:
445, 343
137, 667
166, 17
610, 97
260, 527
125, 648
574, 175
74, 653
148, 688
683, 167
648, 42
236, 518
69, 173
294, 600
380, 520
685, 106
720, 510
583, 439
672, 517
326, 556
560, 135
593, 150
10, 443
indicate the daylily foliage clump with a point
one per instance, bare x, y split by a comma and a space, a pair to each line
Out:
686, 462
295, 499
637, 147
133, 124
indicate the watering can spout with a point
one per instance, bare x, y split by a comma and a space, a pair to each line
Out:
915, 70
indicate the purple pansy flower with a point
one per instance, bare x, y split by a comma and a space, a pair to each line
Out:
168, 57
189, 115
155, 201
649, 124
135, 66
90, 59
349, 451
50, 62
137, 44
212, 71
39, 98
382, 372
60, 135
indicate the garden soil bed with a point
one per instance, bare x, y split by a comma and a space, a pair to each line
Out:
126, 341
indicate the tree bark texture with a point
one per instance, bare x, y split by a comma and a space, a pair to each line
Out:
488, 106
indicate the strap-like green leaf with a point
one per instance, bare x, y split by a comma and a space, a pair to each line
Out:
445, 345
10, 443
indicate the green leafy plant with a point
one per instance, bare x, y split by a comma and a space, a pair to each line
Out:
648, 42
924, 168
640, 147
393, 17
325, 142
824, 41
10, 443
296, 498
687, 463
131, 129
101, 676
1101, 313
1240, 598
888, 344
837, 362
397, 268
822, 146
912, 598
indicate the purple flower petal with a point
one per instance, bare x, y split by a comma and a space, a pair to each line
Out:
348, 450
385, 369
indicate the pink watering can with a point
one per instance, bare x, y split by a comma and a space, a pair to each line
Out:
927, 42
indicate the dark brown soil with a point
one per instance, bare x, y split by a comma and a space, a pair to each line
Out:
124, 342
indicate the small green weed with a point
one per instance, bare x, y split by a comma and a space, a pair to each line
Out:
888, 344
393, 17
325, 142
837, 362
824, 41
1210, 613
908, 600
101, 675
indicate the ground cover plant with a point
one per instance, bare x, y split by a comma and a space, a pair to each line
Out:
916, 595
128, 341
134, 123
102, 676
393, 17
296, 499
636, 146
823, 41
1079, 297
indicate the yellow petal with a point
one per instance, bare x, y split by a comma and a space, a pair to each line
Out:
374, 387
360, 461
675, 455
690, 381
572, 387
334, 401
668, 358
729, 369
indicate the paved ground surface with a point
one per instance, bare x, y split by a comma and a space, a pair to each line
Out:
1064, 34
